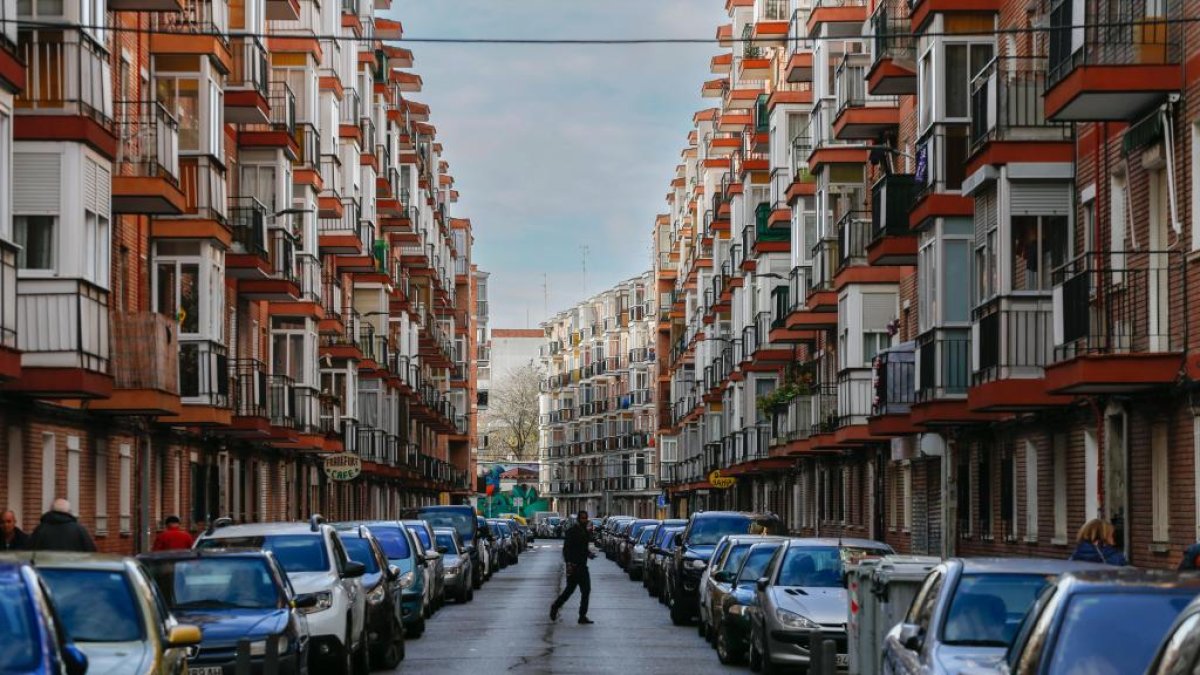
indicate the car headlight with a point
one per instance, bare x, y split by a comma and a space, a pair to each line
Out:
377, 595
737, 610
407, 579
697, 564
324, 602
793, 620
259, 648
453, 569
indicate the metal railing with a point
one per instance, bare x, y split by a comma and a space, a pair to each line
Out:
68, 73
944, 364
250, 388
895, 381
1006, 104
281, 250
283, 106
855, 232
281, 400
1112, 32
149, 141
892, 198
250, 68
944, 153
891, 27
1014, 338
308, 138
248, 220
202, 181
145, 350
198, 17
71, 322
204, 375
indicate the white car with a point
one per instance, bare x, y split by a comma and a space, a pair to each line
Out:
316, 562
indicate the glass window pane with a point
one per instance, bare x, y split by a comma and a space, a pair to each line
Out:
189, 298
165, 292
957, 80
956, 300
1054, 247
35, 236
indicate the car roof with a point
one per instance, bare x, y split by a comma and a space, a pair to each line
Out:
96, 561
445, 530
193, 553
265, 529
838, 542
1114, 578
751, 538
753, 515
1023, 565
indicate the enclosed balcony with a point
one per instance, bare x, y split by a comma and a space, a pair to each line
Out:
894, 392
944, 153
893, 242
145, 365
68, 90
1120, 319
263, 255
204, 215
63, 336
146, 176
251, 415
347, 233
1012, 341
1113, 60
837, 17
859, 115
307, 165
280, 129
12, 69
893, 71
246, 86
201, 29
1008, 120
943, 360
762, 238
855, 396
205, 383
10, 357
854, 232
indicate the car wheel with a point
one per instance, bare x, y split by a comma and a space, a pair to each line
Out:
345, 664
755, 655
678, 616
725, 654
362, 656
418, 629
393, 652
476, 580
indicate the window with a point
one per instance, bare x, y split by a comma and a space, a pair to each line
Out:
963, 62
189, 285
36, 237
1039, 246
292, 341
181, 96
101, 486
1031, 491
983, 490
125, 498
49, 469
1160, 469
5, 164
878, 311
1059, 456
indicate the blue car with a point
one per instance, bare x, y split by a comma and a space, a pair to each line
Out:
235, 596
35, 641
397, 543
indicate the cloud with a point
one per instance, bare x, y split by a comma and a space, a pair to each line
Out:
557, 147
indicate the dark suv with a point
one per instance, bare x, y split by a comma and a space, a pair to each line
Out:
694, 547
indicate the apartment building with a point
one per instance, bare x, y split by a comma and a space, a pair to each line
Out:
597, 442
226, 253
924, 277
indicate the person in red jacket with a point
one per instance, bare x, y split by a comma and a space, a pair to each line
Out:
174, 538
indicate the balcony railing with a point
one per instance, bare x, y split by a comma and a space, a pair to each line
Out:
794, 422
202, 180
944, 364
854, 233
891, 26
149, 141
145, 348
248, 220
850, 82
1113, 33
250, 388
204, 375
308, 138
250, 67
67, 74
283, 107
8, 26
308, 273
66, 321
892, 198
855, 397
895, 372
281, 400
1006, 104
350, 108
281, 249
1120, 303
1014, 338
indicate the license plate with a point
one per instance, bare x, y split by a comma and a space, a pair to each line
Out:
842, 660
206, 670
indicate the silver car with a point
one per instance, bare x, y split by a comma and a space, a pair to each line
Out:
637, 556
804, 590
457, 564
967, 613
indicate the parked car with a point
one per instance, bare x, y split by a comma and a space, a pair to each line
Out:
457, 564
1108, 621
488, 553
435, 567
637, 556
717, 580
461, 517
35, 639
508, 544
693, 548
381, 583
735, 613
234, 595
113, 612
629, 538
552, 527
316, 562
662, 551
1179, 653
404, 552
940, 636
804, 589
612, 533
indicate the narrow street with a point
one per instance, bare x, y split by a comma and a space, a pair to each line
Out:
507, 627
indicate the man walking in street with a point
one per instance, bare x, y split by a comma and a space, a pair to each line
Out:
11, 536
576, 555
61, 531
174, 538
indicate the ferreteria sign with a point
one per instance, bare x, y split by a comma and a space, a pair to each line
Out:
343, 466
721, 482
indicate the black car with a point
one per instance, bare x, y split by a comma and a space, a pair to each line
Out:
629, 539
693, 548
234, 596
461, 517
385, 595
661, 554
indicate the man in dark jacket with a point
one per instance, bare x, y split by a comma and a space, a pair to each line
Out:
11, 536
61, 531
576, 554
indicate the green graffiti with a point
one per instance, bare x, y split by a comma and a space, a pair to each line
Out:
506, 502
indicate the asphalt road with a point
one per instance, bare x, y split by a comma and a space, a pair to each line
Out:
507, 627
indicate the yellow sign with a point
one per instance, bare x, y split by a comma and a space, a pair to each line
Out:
721, 482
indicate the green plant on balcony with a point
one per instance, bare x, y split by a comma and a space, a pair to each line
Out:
797, 381
763, 229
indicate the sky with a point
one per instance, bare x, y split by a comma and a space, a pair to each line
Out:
554, 148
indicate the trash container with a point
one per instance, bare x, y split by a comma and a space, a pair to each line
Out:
880, 592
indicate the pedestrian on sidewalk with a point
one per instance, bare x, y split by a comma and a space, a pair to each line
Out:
174, 538
61, 531
1096, 543
576, 554
11, 536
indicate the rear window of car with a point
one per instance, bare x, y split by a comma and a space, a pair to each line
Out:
756, 562
21, 649
295, 552
393, 541
708, 531
95, 605
422, 534
1115, 632
446, 539
359, 550
987, 609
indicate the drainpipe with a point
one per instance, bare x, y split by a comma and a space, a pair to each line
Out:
145, 451
1169, 142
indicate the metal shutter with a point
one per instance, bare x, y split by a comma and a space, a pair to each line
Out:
37, 187
985, 215
878, 309
1039, 198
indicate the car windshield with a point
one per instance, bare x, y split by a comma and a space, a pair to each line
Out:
422, 534
394, 543
359, 550
669, 539
446, 539
295, 552
708, 531
216, 583
462, 520
736, 555
19, 650
1115, 633
647, 535
987, 609
756, 562
95, 605
811, 566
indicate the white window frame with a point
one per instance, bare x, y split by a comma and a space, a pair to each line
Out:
1195, 174
49, 470
125, 489
1031, 491
101, 486
210, 283
1160, 482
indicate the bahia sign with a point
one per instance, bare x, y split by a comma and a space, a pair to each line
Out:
343, 466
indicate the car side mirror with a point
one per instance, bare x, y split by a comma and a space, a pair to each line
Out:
442, 550
393, 573
305, 601
722, 576
184, 635
677, 539
432, 555
910, 637
75, 660
353, 569
762, 583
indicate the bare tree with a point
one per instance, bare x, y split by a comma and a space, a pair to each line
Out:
512, 416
